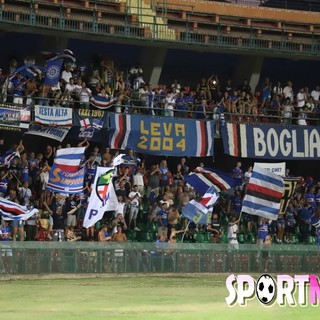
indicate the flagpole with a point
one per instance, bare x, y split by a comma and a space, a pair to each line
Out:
185, 230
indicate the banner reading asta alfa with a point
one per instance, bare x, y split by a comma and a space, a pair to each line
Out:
51, 116
102, 198
271, 141
64, 181
162, 136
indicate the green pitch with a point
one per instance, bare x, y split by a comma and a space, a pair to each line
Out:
194, 297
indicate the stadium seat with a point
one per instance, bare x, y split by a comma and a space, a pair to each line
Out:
241, 238
199, 237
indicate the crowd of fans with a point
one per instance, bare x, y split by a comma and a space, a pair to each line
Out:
148, 196
128, 91
154, 194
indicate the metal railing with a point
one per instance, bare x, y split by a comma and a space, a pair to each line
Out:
93, 257
137, 106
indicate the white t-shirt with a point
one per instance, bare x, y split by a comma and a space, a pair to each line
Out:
288, 92
315, 95
66, 75
301, 99
135, 201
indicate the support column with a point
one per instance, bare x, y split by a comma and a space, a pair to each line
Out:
249, 68
151, 62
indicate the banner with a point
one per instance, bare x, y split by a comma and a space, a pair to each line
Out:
263, 194
277, 168
289, 188
103, 197
53, 116
162, 136
272, 141
14, 116
53, 71
55, 133
197, 213
90, 124
65, 182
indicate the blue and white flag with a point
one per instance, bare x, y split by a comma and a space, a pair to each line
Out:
210, 197
53, 71
102, 198
203, 178
263, 194
197, 213
101, 102
12, 211
28, 71
68, 159
8, 157
66, 182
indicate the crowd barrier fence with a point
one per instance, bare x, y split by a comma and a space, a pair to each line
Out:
96, 258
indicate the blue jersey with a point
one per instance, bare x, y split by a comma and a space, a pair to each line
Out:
162, 215
310, 198
263, 231
317, 200
237, 204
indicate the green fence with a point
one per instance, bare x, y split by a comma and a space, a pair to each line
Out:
93, 257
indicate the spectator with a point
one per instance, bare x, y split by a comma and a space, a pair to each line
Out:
135, 201
304, 215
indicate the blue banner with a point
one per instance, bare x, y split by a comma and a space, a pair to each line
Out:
53, 71
66, 182
161, 135
90, 124
271, 141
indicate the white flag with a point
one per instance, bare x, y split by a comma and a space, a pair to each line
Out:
103, 197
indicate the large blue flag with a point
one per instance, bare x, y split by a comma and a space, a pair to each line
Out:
203, 178
53, 72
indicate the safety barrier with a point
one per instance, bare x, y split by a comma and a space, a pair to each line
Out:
93, 257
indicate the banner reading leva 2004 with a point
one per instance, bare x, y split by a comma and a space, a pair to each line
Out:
268, 141
161, 135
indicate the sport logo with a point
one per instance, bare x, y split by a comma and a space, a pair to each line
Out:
102, 186
283, 290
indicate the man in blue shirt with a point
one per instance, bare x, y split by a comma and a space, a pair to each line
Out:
305, 214
162, 220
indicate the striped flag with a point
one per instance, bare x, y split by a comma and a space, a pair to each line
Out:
235, 139
204, 138
119, 138
210, 197
202, 179
65, 54
12, 211
68, 159
101, 102
8, 156
264, 192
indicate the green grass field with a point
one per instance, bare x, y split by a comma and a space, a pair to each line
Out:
131, 297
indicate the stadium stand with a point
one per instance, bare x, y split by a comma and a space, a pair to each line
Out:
28, 172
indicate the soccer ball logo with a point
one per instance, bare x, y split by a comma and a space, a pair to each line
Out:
266, 289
